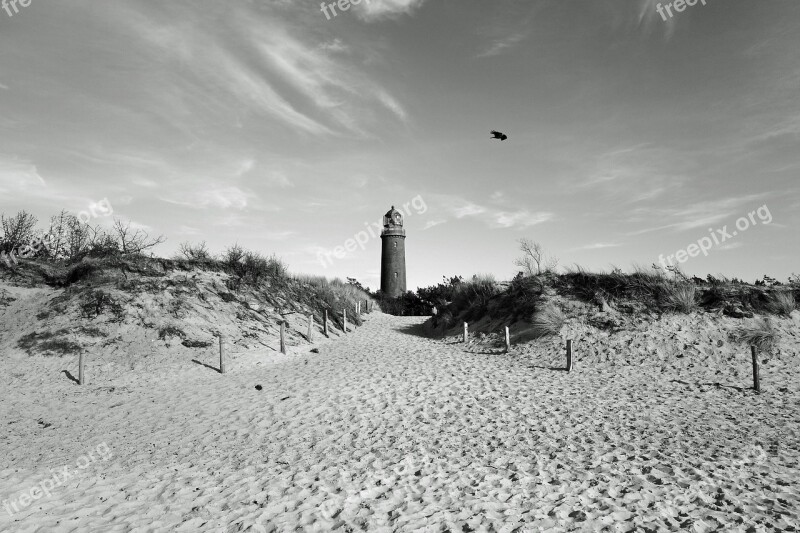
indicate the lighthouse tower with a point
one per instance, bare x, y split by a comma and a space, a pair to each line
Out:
393, 254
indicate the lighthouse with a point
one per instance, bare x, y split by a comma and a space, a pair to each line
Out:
393, 255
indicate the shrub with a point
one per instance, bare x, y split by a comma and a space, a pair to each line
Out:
408, 304
759, 333
253, 268
548, 321
80, 272
18, 231
471, 297
171, 331
439, 295
523, 296
49, 343
96, 302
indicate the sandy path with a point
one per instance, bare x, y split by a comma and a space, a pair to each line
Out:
387, 431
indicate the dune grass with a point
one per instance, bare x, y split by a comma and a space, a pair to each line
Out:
681, 297
548, 321
760, 333
783, 303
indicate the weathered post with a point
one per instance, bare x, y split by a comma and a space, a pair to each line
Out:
756, 379
508, 340
310, 326
283, 336
569, 356
325, 323
80, 368
221, 355
466, 332
344, 320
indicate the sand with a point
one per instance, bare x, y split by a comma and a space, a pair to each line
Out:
386, 430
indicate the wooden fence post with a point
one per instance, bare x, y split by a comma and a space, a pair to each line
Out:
756, 378
325, 323
221, 355
283, 336
466, 332
80, 368
310, 326
344, 320
508, 340
569, 356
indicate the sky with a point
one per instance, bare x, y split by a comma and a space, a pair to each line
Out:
273, 125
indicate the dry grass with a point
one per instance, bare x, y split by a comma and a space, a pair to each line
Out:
759, 333
782, 303
681, 297
548, 321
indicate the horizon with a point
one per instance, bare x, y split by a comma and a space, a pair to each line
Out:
633, 136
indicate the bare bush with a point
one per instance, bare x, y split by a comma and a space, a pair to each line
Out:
534, 261
133, 240
197, 252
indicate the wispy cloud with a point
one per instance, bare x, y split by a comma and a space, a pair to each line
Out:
215, 197
731, 246
433, 223
271, 69
519, 219
373, 10
599, 246
699, 214
18, 175
460, 208
503, 44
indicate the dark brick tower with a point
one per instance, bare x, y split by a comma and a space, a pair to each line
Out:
393, 254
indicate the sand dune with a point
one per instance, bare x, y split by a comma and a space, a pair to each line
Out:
385, 430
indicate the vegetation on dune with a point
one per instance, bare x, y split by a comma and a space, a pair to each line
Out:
760, 333
783, 303
528, 297
102, 270
681, 297
548, 321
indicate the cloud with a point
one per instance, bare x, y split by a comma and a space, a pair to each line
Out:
433, 223
650, 20
498, 46
495, 218
392, 105
187, 230
599, 246
278, 179
277, 235
520, 219
697, 215
17, 175
266, 67
375, 10
467, 210
214, 197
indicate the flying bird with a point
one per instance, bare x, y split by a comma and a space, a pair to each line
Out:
498, 135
